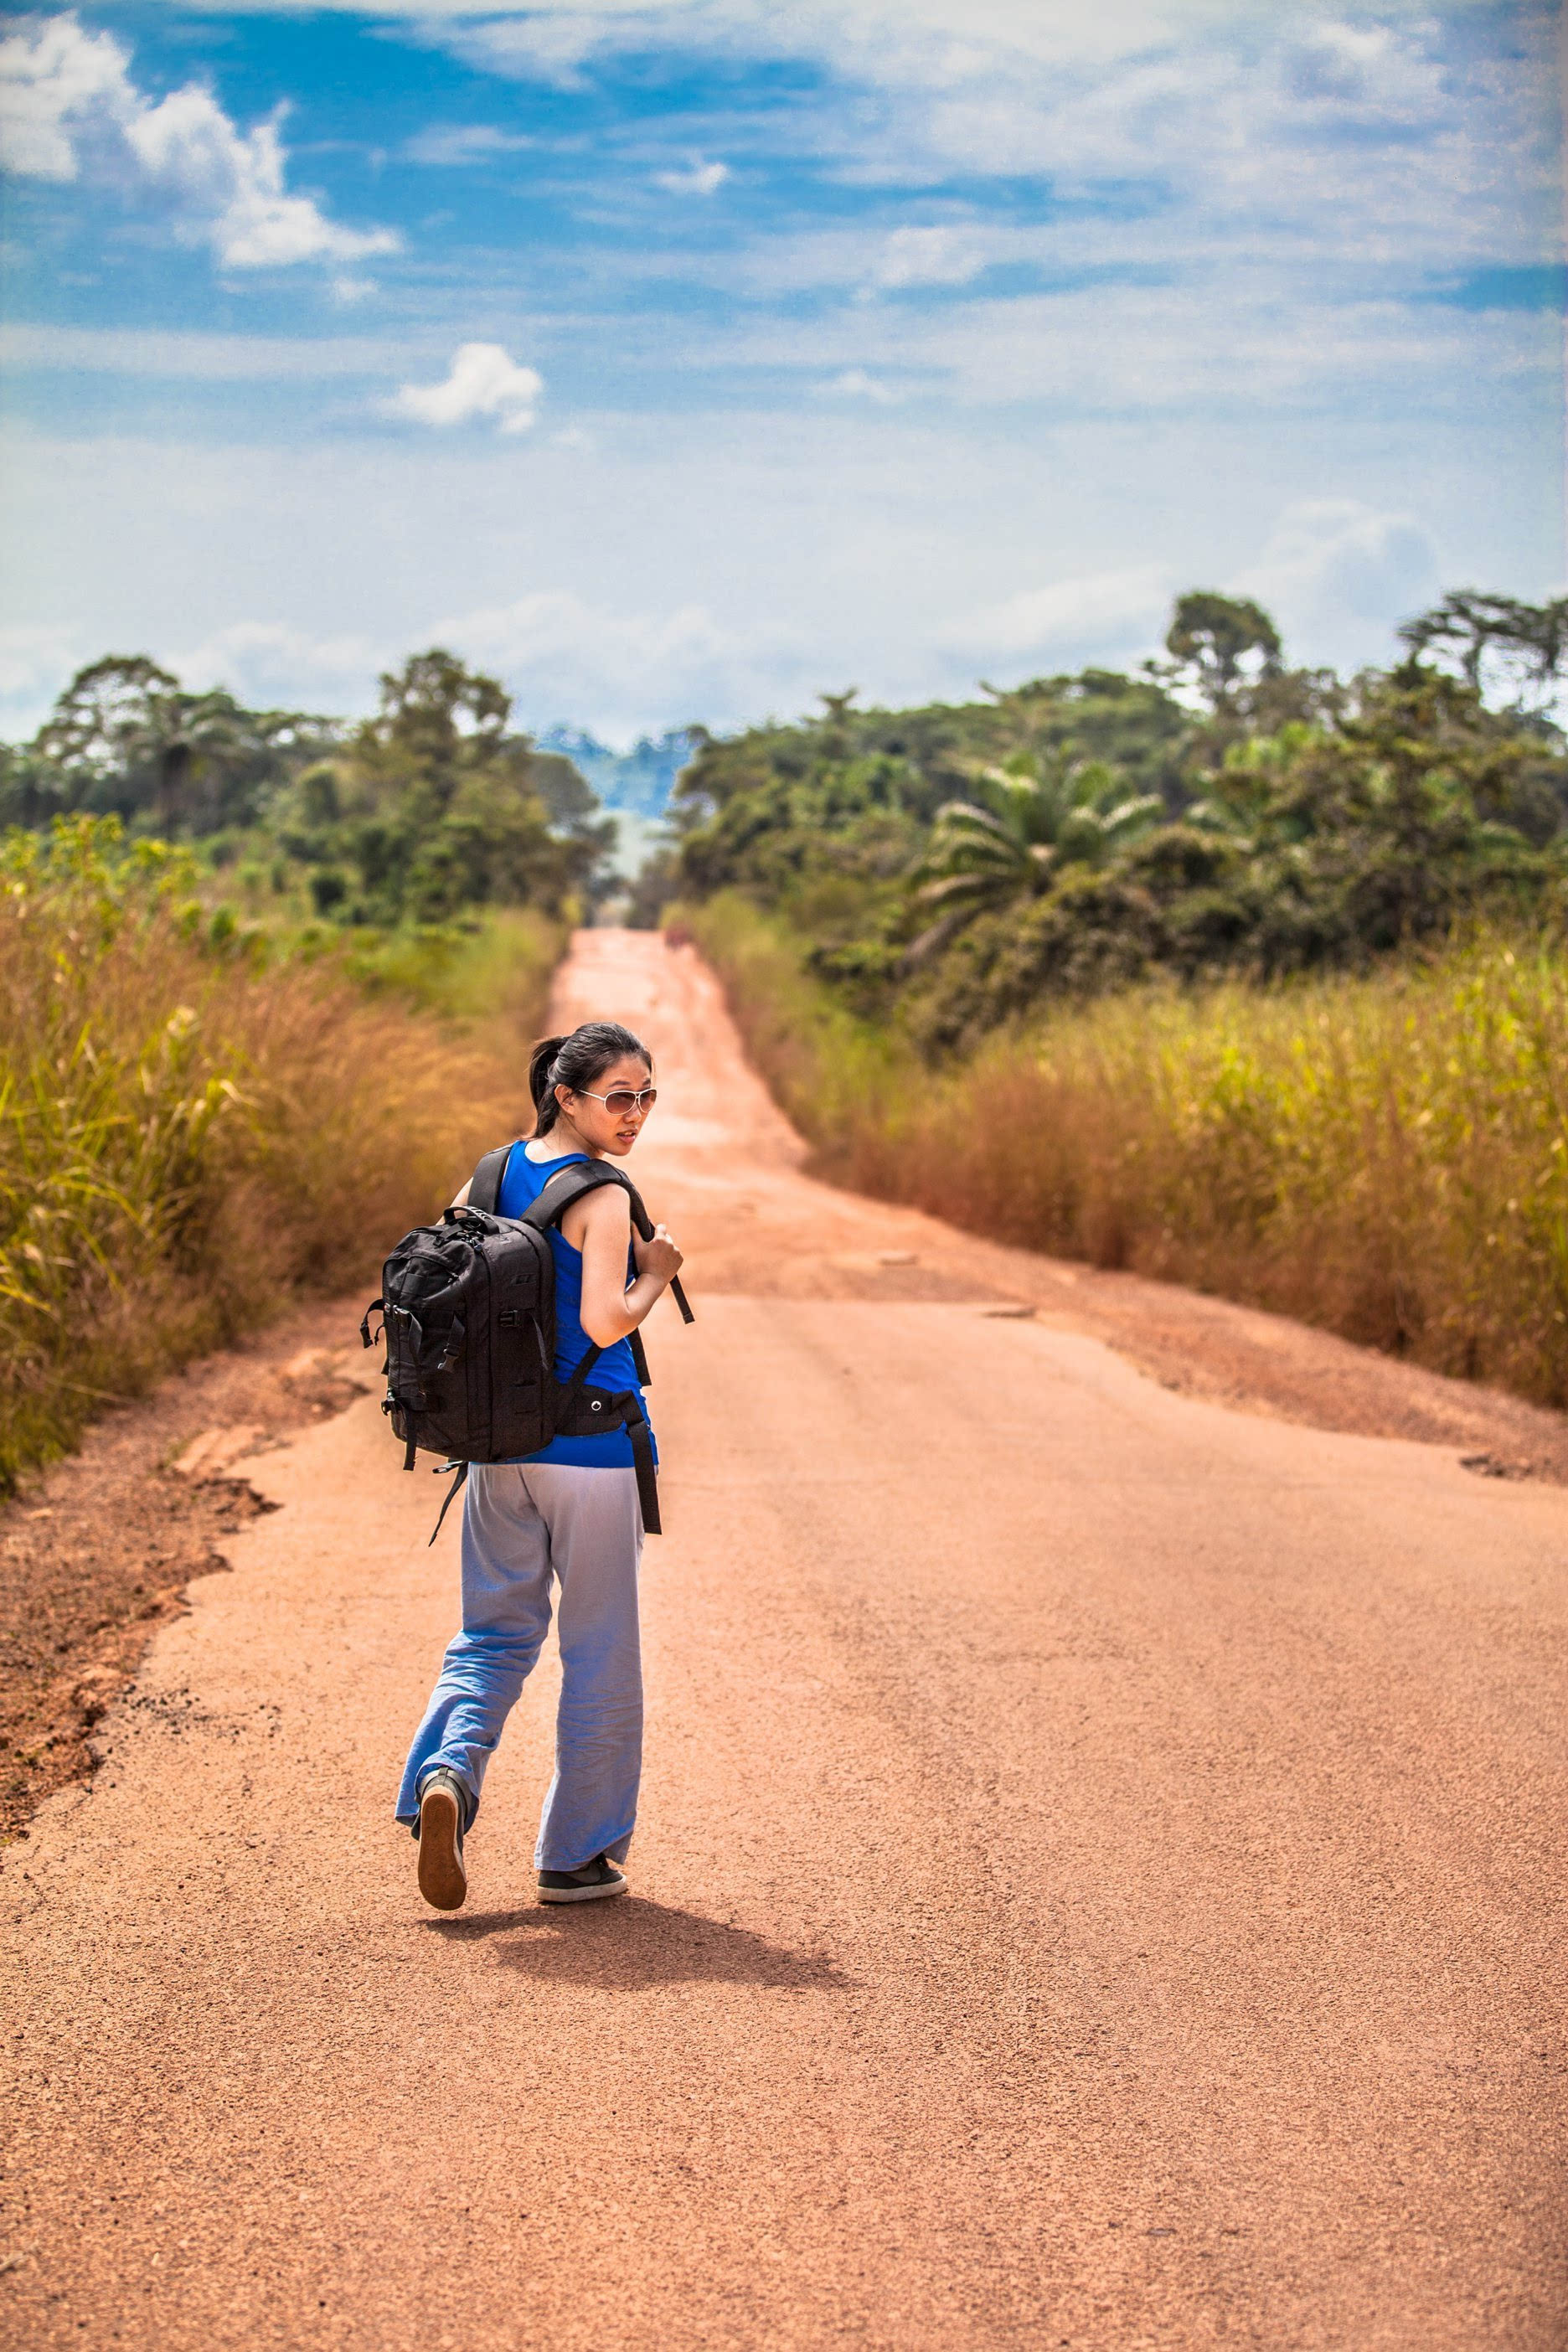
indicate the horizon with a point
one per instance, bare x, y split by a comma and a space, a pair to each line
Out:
569, 736
680, 364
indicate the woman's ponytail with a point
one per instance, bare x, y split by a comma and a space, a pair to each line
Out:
540, 1083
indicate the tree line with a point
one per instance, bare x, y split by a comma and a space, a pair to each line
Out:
1218, 810
434, 805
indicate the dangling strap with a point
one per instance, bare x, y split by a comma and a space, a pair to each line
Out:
462, 1470
634, 1422
601, 1410
644, 1224
376, 1304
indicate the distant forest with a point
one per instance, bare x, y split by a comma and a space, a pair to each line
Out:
435, 805
1217, 811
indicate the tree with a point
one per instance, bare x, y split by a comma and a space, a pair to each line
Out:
1526, 646
437, 720
1211, 637
1012, 840
126, 738
1248, 799
111, 715
437, 805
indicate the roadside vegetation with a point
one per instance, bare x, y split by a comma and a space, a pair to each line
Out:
417, 816
195, 1133
1248, 977
224, 1086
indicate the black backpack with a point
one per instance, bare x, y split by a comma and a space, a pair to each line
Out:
467, 1311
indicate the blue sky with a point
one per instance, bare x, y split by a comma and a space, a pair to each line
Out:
679, 361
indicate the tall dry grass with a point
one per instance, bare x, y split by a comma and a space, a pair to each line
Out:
190, 1139
1386, 1157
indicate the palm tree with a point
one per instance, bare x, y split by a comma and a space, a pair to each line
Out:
1253, 797
1017, 833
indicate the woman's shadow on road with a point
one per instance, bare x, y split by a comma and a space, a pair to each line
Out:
631, 1944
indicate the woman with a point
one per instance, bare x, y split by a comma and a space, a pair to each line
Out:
569, 1515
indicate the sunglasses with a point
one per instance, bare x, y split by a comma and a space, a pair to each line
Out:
622, 1099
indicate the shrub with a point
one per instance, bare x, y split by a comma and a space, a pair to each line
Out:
189, 1137
1384, 1154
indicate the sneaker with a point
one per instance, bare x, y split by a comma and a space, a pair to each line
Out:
443, 1881
594, 1880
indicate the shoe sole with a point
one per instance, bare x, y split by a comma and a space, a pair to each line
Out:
581, 1894
443, 1881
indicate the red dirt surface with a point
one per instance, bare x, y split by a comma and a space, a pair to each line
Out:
1099, 1882
99, 1550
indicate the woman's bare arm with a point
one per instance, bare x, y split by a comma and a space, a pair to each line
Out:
600, 1225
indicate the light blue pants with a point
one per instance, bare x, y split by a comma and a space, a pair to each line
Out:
525, 1527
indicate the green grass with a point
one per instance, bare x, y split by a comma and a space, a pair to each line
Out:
192, 1133
487, 976
1385, 1155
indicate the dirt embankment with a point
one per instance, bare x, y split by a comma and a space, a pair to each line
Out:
96, 1552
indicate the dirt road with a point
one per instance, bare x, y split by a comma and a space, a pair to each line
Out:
1100, 1881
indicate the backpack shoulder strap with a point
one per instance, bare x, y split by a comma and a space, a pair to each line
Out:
590, 1174
484, 1185
580, 1176
568, 1184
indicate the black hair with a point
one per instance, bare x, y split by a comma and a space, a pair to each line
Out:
576, 1062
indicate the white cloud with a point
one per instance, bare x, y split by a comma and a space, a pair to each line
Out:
560, 653
1336, 573
53, 75
904, 550
546, 45
1095, 613
272, 665
461, 143
192, 356
1330, 566
855, 383
895, 43
484, 381
1279, 348
67, 102
35, 663
1383, 136
941, 255
1364, 75
698, 178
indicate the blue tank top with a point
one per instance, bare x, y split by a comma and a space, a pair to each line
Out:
522, 1181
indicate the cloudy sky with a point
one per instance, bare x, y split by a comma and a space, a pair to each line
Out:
679, 359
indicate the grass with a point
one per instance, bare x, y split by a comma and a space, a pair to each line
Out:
1385, 1156
488, 977
192, 1136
